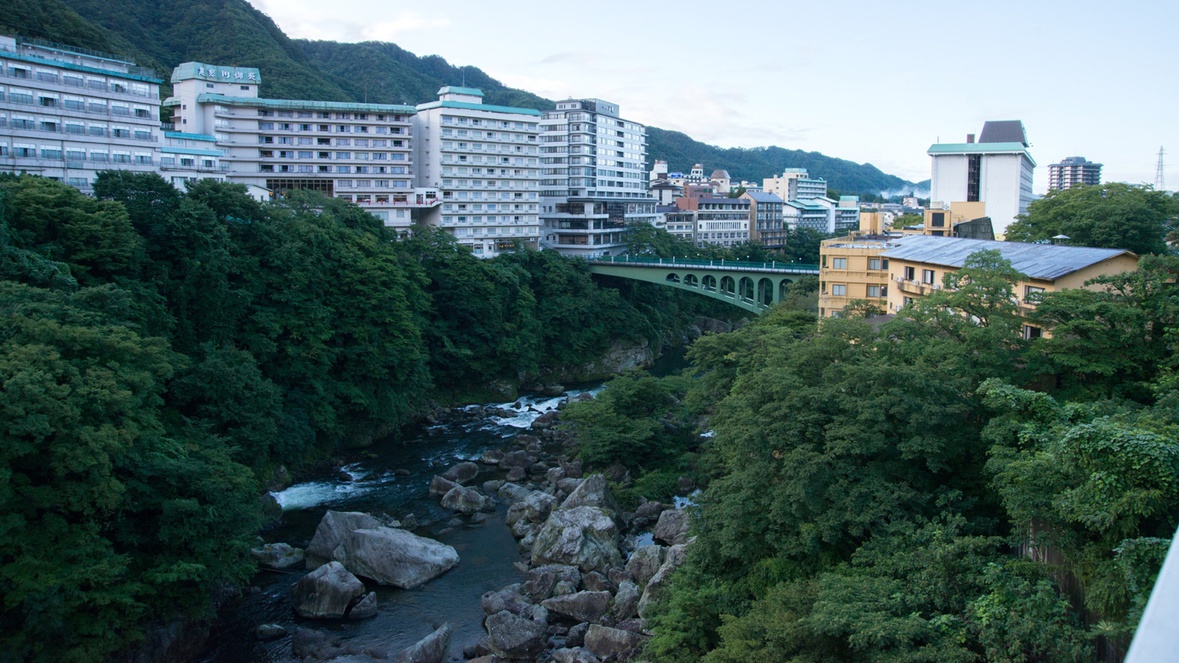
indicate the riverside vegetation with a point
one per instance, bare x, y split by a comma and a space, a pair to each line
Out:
162, 353
936, 488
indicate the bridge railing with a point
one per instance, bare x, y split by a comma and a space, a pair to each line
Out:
736, 265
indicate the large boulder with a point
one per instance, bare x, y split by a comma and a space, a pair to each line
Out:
585, 537
657, 586
580, 606
434, 648
467, 500
517, 459
574, 655
277, 555
440, 486
462, 474
672, 527
365, 607
543, 579
606, 642
645, 562
514, 637
626, 601
326, 592
509, 598
592, 491
394, 556
334, 526
534, 508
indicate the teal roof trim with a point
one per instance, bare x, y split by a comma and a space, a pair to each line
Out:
472, 91
298, 104
78, 67
480, 107
980, 148
192, 150
206, 72
181, 134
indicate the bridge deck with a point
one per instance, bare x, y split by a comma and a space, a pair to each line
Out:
712, 265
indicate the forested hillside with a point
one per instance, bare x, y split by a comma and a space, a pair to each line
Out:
160, 35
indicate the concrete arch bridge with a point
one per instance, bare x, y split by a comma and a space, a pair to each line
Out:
754, 286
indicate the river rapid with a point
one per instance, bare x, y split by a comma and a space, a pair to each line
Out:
392, 477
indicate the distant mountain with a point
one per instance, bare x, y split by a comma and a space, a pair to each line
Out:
160, 35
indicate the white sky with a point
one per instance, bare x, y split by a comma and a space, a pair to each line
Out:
868, 81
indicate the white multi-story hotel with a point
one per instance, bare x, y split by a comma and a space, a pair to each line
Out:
997, 171
593, 182
358, 152
67, 113
484, 160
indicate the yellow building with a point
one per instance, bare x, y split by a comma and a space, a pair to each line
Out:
917, 265
940, 219
851, 267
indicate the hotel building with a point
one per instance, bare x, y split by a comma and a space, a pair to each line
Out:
997, 171
593, 183
362, 153
484, 161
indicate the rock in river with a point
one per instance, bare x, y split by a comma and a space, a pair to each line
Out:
394, 556
326, 592
585, 537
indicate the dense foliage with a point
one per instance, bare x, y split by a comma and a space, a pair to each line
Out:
1112, 215
163, 352
934, 489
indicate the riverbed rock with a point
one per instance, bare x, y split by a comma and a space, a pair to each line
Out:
440, 486
462, 474
645, 562
596, 582
543, 579
514, 637
434, 648
394, 556
594, 492
569, 484
574, 655
604, 642
576, 635
333, 527
585, 536
277, 555
326, 592
546, 420
672, 527
509, 598
365, 607
492, 457
534, 508
580, 606
269, 631
512, 492
521, 459
554, 474
626, 601
467, 500
657, 586
517, 474
647, 514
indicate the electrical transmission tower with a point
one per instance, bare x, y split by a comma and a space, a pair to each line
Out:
1160, 184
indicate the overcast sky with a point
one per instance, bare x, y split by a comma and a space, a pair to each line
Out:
871, 81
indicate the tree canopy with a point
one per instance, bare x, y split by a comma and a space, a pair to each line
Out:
1112, 215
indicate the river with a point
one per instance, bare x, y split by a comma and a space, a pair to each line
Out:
487, 551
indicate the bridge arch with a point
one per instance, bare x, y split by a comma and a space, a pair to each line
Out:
765, 292
673, 278
728, 286
745, 288
691, 281
710, 283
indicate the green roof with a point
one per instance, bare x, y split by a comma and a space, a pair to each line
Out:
206, 72
480, 107
472, 91
181, 134
299, 104
980, 148
83, 68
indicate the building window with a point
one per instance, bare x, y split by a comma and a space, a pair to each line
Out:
877, 291
1030, 332
838, 290
1030, 290
910, 274
927, 276
839, 263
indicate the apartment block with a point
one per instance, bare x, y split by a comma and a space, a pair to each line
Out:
67, 113
719, 221
766, 225
593, 183
852, 268
362, 153
847, 214
1073, 171
484, 160
679, 222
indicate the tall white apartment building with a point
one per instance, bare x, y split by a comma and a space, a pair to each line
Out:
67, 113
484, 160
593, 182
358, 152
997, 171
1073, 171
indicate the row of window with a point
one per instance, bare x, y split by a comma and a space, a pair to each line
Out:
83, 104
874, 291
56, 153
491, 207
77, 80
501, 136
480, 122
331, 128
338, 156
341, 170
325, 115
54, 125
487, 147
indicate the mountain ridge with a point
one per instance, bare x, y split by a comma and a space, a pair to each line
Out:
160, 35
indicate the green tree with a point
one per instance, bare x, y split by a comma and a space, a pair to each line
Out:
1112, 215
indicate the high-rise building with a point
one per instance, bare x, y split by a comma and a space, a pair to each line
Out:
1073, 171
593, 182
67, 113
485, 162
766, 225
362, 153
996, 170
